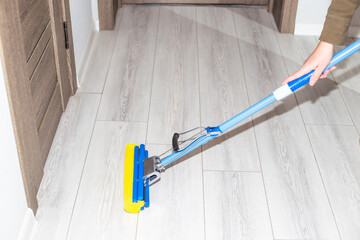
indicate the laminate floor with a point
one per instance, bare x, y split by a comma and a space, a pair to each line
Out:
291, 171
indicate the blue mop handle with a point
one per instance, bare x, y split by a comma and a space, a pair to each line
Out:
289, 88
343, 54
278, 94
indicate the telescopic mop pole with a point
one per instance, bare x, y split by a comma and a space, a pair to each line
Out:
277, 95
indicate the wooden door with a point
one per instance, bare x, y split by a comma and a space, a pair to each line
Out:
39, 69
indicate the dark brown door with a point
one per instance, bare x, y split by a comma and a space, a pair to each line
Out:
39, 71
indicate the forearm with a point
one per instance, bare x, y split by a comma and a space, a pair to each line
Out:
338, 20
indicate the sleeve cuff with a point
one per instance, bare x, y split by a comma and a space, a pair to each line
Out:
335, 30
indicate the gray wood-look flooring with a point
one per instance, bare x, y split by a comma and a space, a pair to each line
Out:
292, 171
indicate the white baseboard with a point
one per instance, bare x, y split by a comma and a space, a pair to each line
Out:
27, 226
308, 29
315, 30
97, 25
85, 56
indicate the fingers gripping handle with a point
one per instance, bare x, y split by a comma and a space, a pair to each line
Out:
340, 56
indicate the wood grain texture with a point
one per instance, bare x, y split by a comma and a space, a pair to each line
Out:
347, 76
39, 50
102, 49
176, 205
127, 90
321, 104
43, 83
175, 91
63, 168
99, 212
235, 206
284, 12
242, 2
34, 17
13, 59
107, 13
223, 92
49, 124
338, 155
298, 204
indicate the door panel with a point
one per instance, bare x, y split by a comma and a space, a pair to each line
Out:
43, 82
34, 16
39, 72
47, 129
39, 50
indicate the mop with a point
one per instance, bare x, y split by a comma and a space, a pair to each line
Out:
141, 171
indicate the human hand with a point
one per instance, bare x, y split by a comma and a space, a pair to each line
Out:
318, 60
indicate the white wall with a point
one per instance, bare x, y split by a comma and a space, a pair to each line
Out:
13, 206
311, 14
85, 21
95, 13
82, 26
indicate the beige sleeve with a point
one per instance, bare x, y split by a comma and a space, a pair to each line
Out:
338, 20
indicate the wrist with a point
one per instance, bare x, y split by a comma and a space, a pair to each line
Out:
326, 45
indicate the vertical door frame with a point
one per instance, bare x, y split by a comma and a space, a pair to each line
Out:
107, 13
284, 12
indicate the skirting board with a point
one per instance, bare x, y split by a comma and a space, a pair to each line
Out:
315, 29
27, 226
86, 53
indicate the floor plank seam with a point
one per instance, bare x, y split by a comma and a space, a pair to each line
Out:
341, 95
253, 128
107, 72
230, 171
201, 148
323, 183
82, 172
347, 107
123, 121
309, 140
152, 83
112, 53
152, 78
330, 125
92, 93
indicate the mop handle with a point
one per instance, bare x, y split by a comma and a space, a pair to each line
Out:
278, 94
288, 88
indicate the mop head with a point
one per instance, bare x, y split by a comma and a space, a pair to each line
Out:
136, 190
